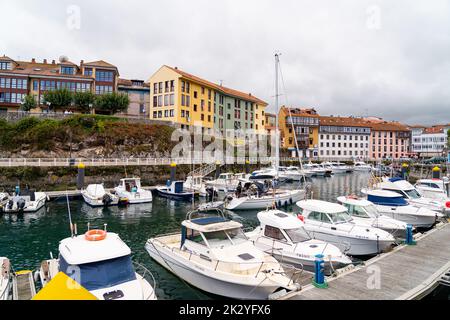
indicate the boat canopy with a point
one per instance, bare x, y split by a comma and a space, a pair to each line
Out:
279, 219
386, 198
78, 250
96, 190
321, 206
211, 224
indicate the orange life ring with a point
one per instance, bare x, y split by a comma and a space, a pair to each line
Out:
95, 235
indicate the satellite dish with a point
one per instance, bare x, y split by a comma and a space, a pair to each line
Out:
63, 59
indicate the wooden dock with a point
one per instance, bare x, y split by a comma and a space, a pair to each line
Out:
406, 273
23, 286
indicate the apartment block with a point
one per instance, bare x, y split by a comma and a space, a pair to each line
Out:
429, 141
138, 92
188, 100
20, 78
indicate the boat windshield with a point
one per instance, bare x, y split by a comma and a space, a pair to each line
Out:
100, 274
413, 194
372, 211
225, 237
298, 235
340, 217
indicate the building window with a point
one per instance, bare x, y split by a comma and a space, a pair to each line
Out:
104, 76
88, 72
67, 70
98, 89
172, 99
5, 65
155, 101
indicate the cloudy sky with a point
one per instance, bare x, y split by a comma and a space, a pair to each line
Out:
385, 58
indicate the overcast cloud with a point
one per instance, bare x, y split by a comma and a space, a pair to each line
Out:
384, 58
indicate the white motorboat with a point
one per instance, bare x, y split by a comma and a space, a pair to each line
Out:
317, 170
226, 182
213, 254
366, 213
101, 263
331, 222
96, 196
5, 278
438, 189
131, 191
413, 196
195, 184
362, 166
264, 174
293, 173
255, 197
336, 167
25, 201
393, 205
284, 237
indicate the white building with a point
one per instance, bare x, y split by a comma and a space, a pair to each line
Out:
343, 138
428, 142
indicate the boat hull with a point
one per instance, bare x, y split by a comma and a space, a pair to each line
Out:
164, 193
352, 246
199, 278
254, 203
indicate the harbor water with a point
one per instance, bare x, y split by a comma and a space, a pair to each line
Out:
28, 239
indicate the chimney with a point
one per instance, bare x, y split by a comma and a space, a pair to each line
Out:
53, 62
33, 60
45, 61
176, 68
81, 63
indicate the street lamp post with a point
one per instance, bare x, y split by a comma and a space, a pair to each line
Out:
91, 106
48, 106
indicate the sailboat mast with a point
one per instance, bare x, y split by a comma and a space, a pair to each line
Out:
277, 132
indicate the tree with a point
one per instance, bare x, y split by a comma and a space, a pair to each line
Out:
82, 100
448, 139
29, 102
58, 98
112, 102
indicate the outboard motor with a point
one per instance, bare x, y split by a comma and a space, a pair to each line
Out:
21, 204
106, 199
212, 193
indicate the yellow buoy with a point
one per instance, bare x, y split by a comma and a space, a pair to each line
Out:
81, 165
435, 169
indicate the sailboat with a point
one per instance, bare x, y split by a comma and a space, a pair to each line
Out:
258, 199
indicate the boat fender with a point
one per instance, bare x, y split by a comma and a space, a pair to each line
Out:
285, 204
301, 218
290, 201
279, 203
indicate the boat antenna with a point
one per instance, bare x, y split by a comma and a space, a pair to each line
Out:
70, 215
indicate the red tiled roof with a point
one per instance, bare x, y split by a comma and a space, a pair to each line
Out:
41, 69
100, 63
228, 91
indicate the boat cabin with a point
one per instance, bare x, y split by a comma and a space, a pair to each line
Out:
281, 227
359, 208
131, 184
402, 187
175, 186
435, 184
99, 264
226, 177
324, 212
211, 232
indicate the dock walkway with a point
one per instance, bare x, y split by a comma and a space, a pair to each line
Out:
23, 286
406, 273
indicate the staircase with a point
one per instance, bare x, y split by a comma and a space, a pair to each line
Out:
203, 171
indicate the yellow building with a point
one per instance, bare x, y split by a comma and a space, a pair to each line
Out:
187, 100
305, 123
